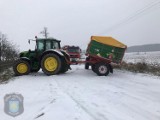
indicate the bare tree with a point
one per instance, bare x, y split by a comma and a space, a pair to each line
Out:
0, 47
8, 51
45, 32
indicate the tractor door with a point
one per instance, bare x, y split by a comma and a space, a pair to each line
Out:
40, 46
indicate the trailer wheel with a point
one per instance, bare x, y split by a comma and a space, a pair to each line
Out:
87, 64
51, 64
21, 67
102, 69
93, 68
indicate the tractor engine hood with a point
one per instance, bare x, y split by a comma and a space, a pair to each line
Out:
23, 54
27, 53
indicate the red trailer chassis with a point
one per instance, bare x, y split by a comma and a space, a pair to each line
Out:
99, 65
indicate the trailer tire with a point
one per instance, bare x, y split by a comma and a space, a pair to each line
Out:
110, 68
93, 68
87, 64
102, 69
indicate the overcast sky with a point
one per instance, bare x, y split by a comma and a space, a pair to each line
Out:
133, 22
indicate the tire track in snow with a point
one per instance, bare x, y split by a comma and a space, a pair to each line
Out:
50, 101
80, 105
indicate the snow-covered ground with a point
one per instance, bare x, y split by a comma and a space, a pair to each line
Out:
82, 95
147, 57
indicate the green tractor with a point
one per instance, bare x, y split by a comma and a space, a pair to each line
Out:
47, 55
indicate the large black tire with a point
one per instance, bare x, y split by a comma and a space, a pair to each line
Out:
64, 67
51, 64
102, 69
21, 67
93, 68
87, 64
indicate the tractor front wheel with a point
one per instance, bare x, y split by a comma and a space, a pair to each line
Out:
51, 64
21, 67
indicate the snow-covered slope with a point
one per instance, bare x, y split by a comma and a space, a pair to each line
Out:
147, 57
82, 95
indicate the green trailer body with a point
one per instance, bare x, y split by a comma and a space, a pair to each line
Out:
106, 47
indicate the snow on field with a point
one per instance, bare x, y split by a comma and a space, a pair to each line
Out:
148, 57
82, 95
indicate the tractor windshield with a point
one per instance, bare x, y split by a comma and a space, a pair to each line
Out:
47, 44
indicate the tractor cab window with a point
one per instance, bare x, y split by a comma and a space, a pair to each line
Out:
48, 45
55, 45
40, 46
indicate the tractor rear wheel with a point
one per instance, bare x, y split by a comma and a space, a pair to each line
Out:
102, 69
64, 67
21, 67
51, 64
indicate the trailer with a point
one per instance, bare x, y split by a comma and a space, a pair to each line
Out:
101, 52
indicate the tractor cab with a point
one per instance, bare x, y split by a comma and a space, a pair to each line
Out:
46, 44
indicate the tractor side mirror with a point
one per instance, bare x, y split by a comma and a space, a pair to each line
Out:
29, 41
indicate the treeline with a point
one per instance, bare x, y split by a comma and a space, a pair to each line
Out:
8, 50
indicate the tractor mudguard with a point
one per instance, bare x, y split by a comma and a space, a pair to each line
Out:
51, 51
66, 55
56, 51
25, 59
65, 52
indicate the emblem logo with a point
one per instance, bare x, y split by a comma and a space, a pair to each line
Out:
13, 104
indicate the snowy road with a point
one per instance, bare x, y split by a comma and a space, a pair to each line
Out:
82, 95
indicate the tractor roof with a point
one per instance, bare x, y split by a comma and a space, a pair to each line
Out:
51, 39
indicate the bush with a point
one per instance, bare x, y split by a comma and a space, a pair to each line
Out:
6, 75
140, 67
